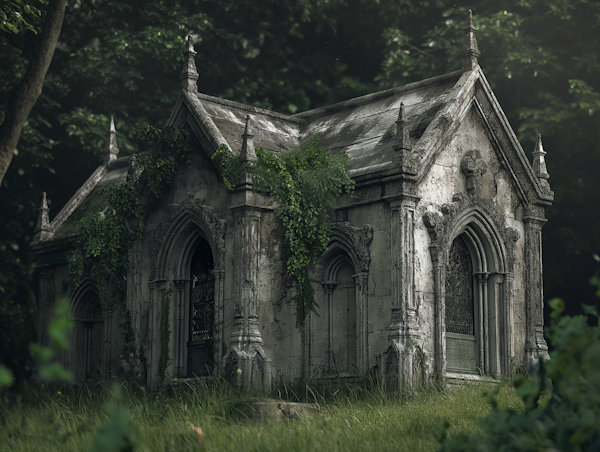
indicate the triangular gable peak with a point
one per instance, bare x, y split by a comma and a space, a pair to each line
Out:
472, 91
112, 171
218, 122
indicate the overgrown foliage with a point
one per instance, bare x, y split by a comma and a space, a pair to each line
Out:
305, 184
569, 420
106, 235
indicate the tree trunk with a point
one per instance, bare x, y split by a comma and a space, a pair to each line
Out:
25, 94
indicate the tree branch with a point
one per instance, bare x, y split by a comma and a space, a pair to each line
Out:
24, 96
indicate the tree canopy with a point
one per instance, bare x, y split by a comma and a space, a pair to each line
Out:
122, 58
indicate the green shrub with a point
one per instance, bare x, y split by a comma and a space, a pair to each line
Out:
562, 417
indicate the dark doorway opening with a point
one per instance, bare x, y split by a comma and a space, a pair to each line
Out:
202, 312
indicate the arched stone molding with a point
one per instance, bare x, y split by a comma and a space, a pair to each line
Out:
348, 251
167, 238
492, 249
91, 335
172, 247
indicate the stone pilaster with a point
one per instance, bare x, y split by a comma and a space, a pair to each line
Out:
403, 333
535, 345
245, 342
439, 259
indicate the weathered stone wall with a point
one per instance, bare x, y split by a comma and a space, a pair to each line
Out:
446, 179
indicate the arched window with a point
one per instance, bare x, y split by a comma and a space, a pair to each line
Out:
461, 342
200, 345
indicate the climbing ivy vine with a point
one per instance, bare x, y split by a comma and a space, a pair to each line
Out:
305, 184
105, 235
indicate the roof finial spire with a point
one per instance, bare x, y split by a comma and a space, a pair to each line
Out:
247, 153
470, 51
402, 138
402, 146
111, 144
539, 164
189, 73
42, 229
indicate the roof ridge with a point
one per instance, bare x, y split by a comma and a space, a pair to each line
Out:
357, 101
249, 108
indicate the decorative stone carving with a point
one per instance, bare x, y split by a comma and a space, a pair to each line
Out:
360, 240
210, 224
473, 166
440, 223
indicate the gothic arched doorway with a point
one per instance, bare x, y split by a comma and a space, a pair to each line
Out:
87, 315
461, 341
200, 346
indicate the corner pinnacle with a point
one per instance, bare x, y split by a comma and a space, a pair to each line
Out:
247, 153
470, 51
42, 229
539, 164
111, 143
189, 73
402, 141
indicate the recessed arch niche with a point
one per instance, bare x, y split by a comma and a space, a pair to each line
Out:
88, 334
336, 336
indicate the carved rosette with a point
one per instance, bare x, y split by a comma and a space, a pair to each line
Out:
211, 225
358, 238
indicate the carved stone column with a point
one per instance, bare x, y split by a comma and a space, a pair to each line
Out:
484, 322
246, 339
439, 259
535, 345
403, 328
181, 328
362, 322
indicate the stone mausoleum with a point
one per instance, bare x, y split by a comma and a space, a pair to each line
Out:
433, 268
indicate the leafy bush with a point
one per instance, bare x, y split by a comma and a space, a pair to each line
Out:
562, 417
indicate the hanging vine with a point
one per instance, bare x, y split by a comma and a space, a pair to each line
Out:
107, 233
305, 184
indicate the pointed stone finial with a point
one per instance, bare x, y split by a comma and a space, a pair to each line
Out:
189, 73
112, 151
247, 153
42, 229
402, 146
539, 164
402, 131
470, 52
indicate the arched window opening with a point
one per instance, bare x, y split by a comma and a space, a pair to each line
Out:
200, 345
461, 341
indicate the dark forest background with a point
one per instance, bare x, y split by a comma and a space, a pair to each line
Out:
123, 57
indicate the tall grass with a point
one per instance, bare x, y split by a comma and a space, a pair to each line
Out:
347, 417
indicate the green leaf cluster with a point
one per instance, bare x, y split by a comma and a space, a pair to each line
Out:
17, 14
305, 184
562, 417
